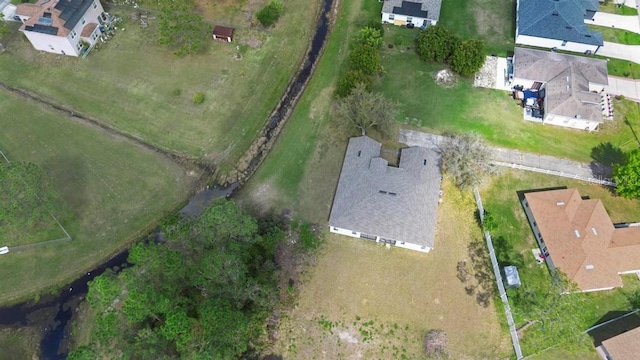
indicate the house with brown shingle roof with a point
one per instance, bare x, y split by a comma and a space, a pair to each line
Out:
387, 204
625, 346
577, 237
61, 26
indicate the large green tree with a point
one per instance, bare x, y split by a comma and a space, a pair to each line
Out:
627, 175
436, 43
468, 57
182, 27
204, 294
366, 110
365, 58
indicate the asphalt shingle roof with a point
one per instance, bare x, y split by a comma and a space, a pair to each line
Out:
395, 203
428, 9
567, 79
558, 19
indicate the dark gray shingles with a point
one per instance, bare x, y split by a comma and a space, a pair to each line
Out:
397, 203
72, 11
557, 19
429, 9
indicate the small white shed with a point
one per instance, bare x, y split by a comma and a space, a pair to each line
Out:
511, 276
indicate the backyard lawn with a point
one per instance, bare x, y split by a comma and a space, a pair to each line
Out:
430, 107
140, 88
513, 241
364, 301
111, 191
493, 21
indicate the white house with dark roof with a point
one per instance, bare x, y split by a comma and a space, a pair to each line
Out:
387, 204
560, 89
421, 13
60, 26
557, 24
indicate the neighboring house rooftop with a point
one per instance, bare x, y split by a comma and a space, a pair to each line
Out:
427, 9
581, 239
625, 346
396, 203
558, 19
53, 17
567, 77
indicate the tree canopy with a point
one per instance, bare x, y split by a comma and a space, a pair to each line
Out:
627, 175
365, 58
181, 27
436, 43
467, 159
269, 14
366, 110
349, 80
204, 294
468, 57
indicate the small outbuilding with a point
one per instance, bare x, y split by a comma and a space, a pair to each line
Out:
223, 33
512, 278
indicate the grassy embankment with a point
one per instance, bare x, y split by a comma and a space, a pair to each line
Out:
619, 36
140, 88
612, 8
111, 191
513, 240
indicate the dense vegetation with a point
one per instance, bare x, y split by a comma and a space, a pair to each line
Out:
366, 110
364, 60
269, 14
181, 27
438, 44
467, 159
627, 174
204, 294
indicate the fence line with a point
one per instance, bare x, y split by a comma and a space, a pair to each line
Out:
501, 290
556, 173
46, 242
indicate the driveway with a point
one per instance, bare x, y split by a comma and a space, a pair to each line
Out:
619, 51
622, 86
626, 22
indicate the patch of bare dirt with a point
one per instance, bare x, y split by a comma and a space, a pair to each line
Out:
445, 77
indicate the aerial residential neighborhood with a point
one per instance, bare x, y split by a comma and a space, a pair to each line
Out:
320, 179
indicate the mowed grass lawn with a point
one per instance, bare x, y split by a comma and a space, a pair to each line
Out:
130, 83
492, 21
492, 113
513, 241
619, 36
364, 301
112, 191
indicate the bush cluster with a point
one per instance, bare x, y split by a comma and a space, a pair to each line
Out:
438, 44
198, 98
269, 14
364, 60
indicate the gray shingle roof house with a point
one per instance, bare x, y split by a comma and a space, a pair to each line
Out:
557, 24
569, 87
394, 205
416, 12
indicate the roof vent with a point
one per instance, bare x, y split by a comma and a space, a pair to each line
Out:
595, 232
589, 267
555, 13
587, 35
424, 162
576, 233
568, 27
560, 203
359, 153
382, 192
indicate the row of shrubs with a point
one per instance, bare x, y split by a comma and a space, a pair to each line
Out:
364, 60
438, 44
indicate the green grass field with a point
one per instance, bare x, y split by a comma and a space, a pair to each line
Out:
112, 192
129, 82
619, 36
513, 240
492, 21
612, 8
491, 113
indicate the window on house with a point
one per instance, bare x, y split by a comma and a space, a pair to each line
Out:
73, 34
353, 232
95, 4
564, 43
392, 17
409, 19
84, 21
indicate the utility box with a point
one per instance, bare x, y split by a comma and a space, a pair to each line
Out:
511, 276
